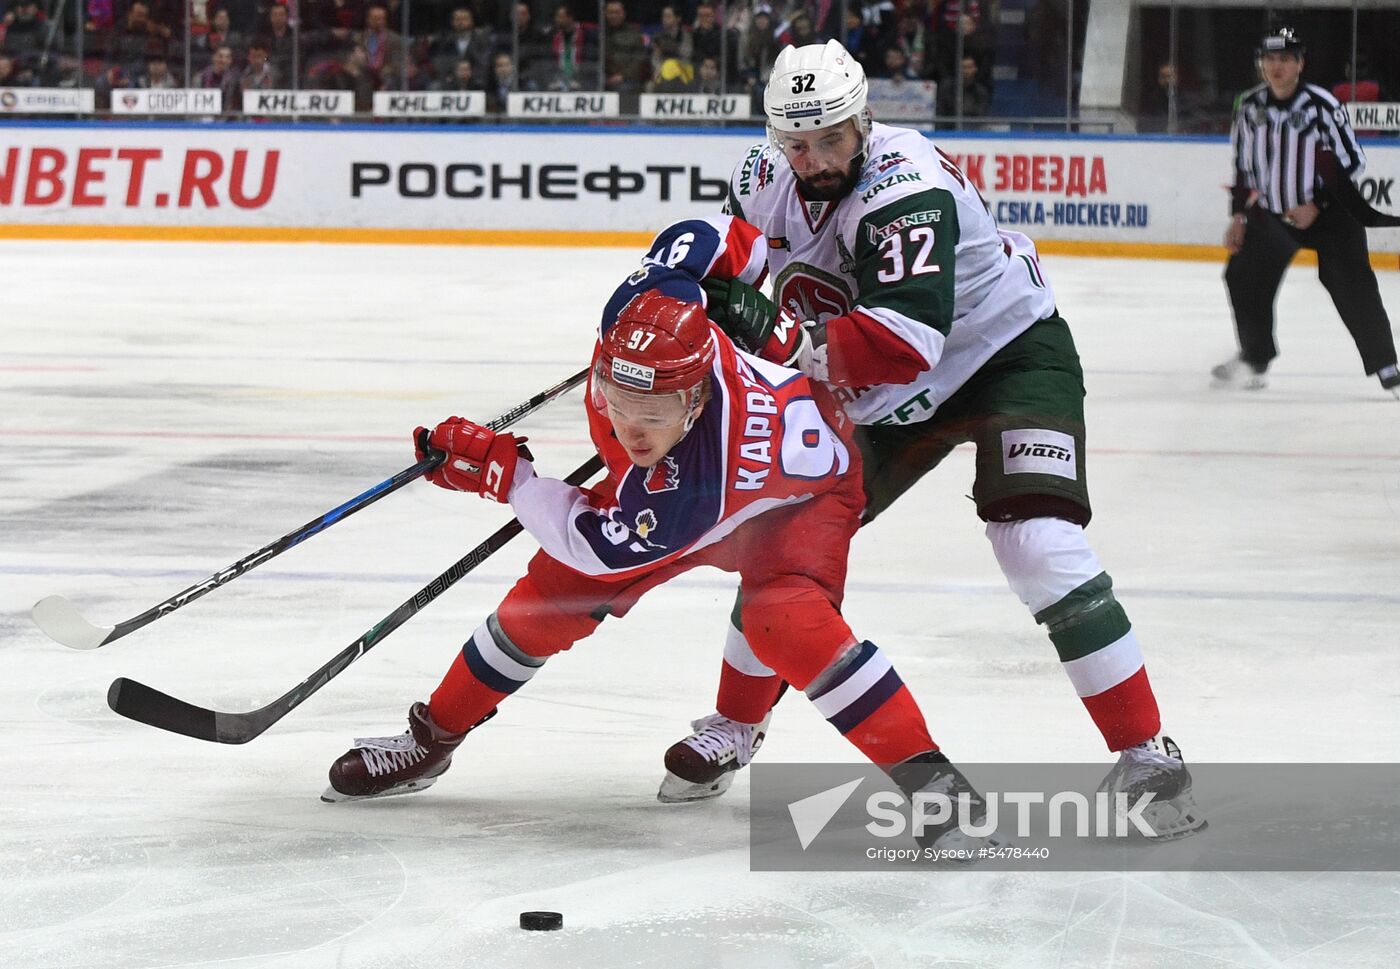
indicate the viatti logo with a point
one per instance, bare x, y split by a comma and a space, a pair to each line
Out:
1036, 450
1067, 813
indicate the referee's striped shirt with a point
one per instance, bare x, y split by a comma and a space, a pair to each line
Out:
1276, 143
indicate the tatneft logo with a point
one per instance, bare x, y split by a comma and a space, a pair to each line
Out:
1068, 814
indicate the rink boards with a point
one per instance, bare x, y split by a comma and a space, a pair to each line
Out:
1094, 195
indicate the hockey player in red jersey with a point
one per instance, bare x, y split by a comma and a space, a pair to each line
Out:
714, 457
894, 286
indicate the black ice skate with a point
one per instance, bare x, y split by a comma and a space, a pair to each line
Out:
1160, 771
384, 766
704, 764
1390, 379
931, 774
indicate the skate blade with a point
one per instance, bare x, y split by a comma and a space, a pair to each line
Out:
1175, 819
1250, 383
331, 796
677, 790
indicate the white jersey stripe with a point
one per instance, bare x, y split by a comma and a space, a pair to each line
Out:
490, 651
738, 654
833, 702
1105, 668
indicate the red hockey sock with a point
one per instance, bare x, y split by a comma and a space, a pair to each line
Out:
1127, 713
461, 700
745, 698
895, 732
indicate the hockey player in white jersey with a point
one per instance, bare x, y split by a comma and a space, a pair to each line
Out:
934, 328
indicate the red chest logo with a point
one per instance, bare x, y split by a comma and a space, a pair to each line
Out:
664, 476
810, 298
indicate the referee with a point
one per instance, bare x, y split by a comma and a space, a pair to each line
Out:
1284, 131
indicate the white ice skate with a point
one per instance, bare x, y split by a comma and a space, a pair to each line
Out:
1238, 374
1161, 771
704, 764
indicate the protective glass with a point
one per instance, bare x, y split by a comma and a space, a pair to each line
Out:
832, 148
635, 409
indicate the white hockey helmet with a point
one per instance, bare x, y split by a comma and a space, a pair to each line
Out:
815, 87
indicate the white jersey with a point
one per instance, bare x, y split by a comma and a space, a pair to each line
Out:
909, 272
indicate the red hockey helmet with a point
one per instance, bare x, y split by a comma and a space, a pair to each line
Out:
660, 347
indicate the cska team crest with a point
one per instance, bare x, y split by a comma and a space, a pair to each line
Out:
663, 476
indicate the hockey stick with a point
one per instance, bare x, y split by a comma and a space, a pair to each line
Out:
139, 702
1346, 192
60, 619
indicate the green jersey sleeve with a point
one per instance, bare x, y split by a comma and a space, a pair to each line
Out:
904, 258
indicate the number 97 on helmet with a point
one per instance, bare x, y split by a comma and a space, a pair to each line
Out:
653, 369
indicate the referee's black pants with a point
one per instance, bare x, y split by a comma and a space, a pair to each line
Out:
1343, 265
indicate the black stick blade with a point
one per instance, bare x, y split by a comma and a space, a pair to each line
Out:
139, 702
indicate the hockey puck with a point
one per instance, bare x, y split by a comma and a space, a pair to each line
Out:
541, 921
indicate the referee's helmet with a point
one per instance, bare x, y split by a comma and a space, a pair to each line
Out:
1282, 40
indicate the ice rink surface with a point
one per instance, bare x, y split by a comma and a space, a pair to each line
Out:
168, 409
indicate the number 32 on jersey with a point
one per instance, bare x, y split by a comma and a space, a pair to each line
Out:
893, 257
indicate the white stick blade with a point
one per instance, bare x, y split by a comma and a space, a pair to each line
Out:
62, 622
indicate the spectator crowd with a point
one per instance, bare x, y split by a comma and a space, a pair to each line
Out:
624, 46
492, 46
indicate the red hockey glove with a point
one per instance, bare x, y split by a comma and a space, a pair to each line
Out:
478, 459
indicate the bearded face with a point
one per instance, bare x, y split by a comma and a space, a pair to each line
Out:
827, 163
